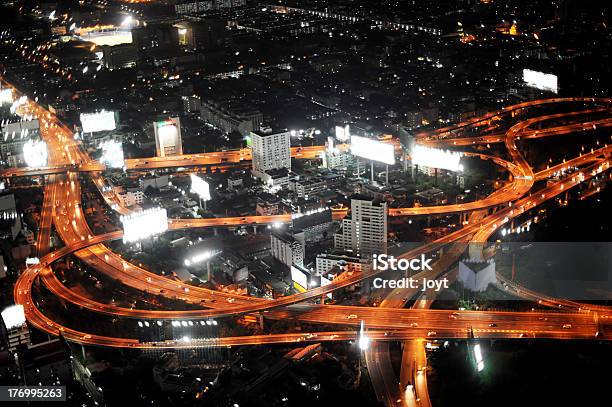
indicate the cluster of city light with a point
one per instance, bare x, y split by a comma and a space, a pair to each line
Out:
112, 153
35, 153
307, 213
13, 316
478, 357
373, 150
100, 121
200, 187
187, 324
435, 158
7, 215
523, 228
144, 224
343, 133
146, 324
200, 257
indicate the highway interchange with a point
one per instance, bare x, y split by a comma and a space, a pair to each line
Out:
390, 321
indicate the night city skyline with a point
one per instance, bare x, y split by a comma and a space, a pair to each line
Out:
305, 203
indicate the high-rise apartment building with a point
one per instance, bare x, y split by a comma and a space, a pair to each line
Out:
365, 232
271, 150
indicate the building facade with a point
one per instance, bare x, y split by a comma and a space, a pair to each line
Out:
365, 232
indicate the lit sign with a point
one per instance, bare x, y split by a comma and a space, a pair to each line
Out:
540, 80
100, 121
373, 150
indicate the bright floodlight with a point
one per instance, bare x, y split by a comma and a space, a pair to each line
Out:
364, 341
200, 257
127, 21
141, 225
478, 357
200, 187
435, 158
35, 153
112, 154
13, 316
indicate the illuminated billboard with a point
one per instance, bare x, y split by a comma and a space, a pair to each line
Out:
200, 187
435, 158
99, 121
168, 137
299, 278
373, 150
35, 153
13, 317
540, 80
112, 153
6, 96
142, 225
343, 133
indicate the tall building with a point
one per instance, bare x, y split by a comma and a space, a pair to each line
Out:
365, 232
205, 34
13, 328
271, 150
168, 140
120, 56
287, 248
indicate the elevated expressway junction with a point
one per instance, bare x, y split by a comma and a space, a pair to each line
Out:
389, 322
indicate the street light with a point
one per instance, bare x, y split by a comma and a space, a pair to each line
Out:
364, 341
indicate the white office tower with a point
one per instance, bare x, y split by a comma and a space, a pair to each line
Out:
271, 150
365, 232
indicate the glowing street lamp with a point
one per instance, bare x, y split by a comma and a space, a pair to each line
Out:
363, 341
478, 357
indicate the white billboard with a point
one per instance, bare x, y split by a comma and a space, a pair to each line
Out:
141, 225
168, 137
112, 153
373, 150
100, 121
435, 158
540, 80
6, 96
299, 278
35, 153
343, 133
200, 187
13, 317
